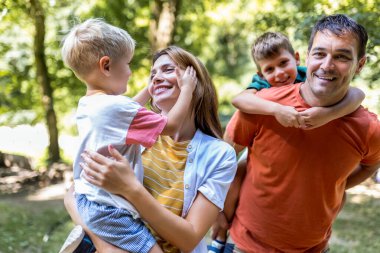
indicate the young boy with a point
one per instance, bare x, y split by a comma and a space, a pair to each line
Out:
278, 65
100, 55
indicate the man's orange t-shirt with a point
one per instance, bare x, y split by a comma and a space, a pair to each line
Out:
296, 178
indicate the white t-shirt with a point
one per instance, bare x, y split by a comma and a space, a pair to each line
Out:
118, 120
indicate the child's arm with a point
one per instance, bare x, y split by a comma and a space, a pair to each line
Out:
248, 102
317, 116
177, 114
142, 97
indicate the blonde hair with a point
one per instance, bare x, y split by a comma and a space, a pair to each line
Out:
205, 102
269, 45
88, 42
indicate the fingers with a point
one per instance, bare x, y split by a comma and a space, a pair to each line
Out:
115, 153
301, 121
101, 159
90, 175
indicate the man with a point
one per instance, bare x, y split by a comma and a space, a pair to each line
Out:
294, 184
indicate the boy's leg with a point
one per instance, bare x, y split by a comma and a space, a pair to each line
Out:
115, 226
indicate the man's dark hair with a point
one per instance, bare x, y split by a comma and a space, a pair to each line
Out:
340, 24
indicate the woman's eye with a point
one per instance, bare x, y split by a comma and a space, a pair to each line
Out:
169, 69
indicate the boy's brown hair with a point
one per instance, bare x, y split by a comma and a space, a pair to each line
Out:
269, 45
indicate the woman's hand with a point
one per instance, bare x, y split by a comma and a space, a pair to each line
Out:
187, 79
114, 175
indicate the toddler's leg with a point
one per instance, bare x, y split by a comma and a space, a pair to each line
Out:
156, 249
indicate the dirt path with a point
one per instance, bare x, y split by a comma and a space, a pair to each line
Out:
38, 200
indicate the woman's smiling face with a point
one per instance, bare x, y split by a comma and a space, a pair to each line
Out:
163, 86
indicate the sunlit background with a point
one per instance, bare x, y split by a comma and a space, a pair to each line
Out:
37, 104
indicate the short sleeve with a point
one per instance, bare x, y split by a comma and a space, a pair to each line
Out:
146, 126
216, 187
258, 83
372, 155
241, 128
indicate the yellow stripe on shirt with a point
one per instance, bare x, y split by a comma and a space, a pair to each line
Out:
164, 164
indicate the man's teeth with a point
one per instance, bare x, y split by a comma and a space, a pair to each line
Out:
325, 77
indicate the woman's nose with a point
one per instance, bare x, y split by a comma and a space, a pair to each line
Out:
157, 78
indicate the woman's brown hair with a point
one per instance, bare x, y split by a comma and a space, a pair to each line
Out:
205, 102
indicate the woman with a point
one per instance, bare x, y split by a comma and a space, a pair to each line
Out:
186, 176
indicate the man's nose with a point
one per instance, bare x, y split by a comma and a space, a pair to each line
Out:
328, 63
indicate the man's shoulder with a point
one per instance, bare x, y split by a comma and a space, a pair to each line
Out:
279, 92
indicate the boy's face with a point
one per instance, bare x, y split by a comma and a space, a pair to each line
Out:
120, 72
280, 70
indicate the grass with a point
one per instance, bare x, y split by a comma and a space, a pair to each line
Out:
39, 227
27, 229
357, 229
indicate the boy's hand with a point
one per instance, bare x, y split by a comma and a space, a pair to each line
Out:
220, 227
315, 117
187, 79
288, 116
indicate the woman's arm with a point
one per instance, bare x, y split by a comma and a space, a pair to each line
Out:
117, 177
318, 116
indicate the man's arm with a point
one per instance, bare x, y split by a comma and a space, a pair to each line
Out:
361, 173
318, 116
247, 101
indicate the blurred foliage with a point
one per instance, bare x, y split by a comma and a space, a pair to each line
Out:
218, 32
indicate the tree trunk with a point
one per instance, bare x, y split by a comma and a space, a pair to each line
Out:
162, 22
44, 80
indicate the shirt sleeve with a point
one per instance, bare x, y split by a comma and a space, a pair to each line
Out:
146, 126
223, 169
258, 83
372, 155
241, 128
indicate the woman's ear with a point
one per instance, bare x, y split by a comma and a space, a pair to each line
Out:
104, 65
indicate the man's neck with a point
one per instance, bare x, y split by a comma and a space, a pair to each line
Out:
314, 101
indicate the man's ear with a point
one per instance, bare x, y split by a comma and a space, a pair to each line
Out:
104, 65
361, 64
297, 57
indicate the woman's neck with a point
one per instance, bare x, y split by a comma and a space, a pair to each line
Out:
186, 131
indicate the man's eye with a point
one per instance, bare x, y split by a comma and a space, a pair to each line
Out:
318, 54
342, 58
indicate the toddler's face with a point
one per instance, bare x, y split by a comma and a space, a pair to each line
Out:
280, 70
121, 72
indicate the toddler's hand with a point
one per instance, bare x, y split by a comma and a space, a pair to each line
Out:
187, 79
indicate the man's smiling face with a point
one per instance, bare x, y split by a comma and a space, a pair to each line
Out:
332, 62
